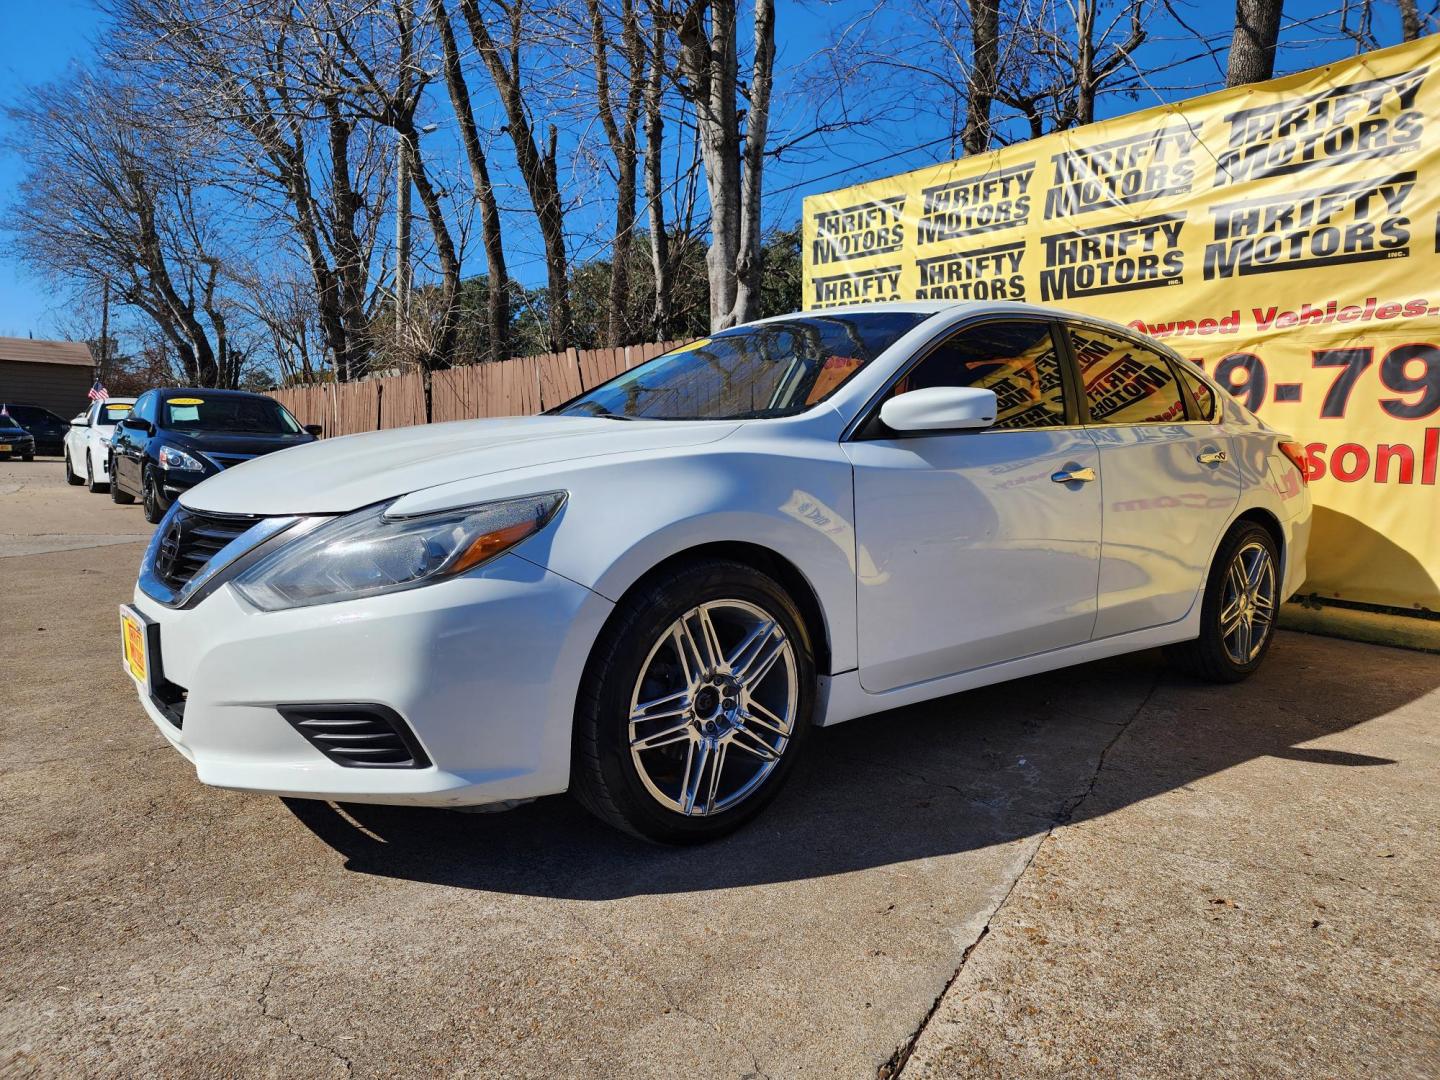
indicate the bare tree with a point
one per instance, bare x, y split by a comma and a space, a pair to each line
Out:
1252, 48
110, 198
498, 292
1410, 23
263, 80
539, 168
620, 125
732, 142
377, 51
984, 70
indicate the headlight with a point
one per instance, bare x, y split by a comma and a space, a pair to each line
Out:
170, 458
366, 553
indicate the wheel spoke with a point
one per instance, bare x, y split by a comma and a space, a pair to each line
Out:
744, 653
694, 772
676, 704
764, 659
694, 658
671, 735
1256, 569
1242, 641
757, 715
684, 651
748, 741
717, 766
1237, 578
1229, 614
708, 650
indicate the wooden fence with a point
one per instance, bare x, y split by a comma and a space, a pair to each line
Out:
520, 386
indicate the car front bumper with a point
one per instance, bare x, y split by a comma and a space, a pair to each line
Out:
482, 668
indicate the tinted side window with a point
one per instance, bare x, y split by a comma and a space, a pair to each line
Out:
1017, 360
1201, 392
145, 407
1125, 383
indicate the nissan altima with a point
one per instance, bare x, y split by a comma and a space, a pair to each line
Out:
652, 594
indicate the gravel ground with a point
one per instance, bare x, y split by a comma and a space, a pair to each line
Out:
1110, 871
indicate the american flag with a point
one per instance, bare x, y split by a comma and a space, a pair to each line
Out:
98, 392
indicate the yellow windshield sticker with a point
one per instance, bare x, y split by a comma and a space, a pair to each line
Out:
118, 408
186, 401
691, 347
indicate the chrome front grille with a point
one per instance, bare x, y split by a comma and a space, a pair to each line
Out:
190, 540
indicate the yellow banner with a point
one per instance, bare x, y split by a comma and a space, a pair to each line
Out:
1286, 236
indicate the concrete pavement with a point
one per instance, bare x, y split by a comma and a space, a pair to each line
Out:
1108, 871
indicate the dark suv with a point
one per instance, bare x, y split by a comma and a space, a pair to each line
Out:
175, 438
47, 429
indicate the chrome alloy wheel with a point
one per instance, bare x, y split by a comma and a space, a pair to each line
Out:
714, 707
1247, 606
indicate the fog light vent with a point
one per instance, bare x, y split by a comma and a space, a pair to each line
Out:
358, 736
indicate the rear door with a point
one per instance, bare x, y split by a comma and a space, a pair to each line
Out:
972, 547
1168, 479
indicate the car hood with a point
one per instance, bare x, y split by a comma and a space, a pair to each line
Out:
233, 442
337, 475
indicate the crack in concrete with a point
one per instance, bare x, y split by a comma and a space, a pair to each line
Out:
966, 796
898, 1060
262, 999
666, 995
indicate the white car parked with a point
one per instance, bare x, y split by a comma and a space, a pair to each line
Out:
651, 595
87, 443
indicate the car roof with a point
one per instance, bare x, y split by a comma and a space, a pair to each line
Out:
957, 309
167, 392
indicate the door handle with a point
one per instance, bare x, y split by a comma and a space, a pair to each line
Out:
1071, 475
1211, 457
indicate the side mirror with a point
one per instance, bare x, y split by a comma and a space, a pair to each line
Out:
315, 429
134, 423
80, 421
940, 408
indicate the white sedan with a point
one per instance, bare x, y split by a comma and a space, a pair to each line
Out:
87, 443
652, 594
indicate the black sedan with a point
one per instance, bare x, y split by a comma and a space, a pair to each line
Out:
174, 438
15, 441
47, 429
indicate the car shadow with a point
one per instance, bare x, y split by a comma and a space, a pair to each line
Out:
988, 767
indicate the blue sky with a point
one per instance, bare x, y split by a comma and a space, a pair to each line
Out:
41, 41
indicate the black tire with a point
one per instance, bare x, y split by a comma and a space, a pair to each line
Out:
1207, 657
604, 777
27, 457
96, 487
155, 502
70, 477
124, 498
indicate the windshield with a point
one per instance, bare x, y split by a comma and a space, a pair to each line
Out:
9, 422
113, 414
776, 368
252, 415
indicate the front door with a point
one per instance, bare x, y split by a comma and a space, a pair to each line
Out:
1171, 481
972, 548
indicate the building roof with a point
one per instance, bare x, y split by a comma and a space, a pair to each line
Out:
30, 351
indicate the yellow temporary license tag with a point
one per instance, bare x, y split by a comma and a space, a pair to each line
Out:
132, 636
